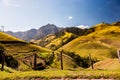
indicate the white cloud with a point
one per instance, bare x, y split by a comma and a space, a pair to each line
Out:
70, 17
82, 26
10, 3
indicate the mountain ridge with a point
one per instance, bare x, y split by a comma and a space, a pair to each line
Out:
35, 33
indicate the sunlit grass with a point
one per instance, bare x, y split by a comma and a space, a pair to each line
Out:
60, 41
101, 44
62, 74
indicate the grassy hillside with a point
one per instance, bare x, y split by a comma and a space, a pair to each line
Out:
100, 44
108, 64
96, 50
68, 62
21, 51
54, 42
6, 37
17, 50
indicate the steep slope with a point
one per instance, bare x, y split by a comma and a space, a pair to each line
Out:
17, 50
60, 41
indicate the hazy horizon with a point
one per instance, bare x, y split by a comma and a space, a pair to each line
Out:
22, 15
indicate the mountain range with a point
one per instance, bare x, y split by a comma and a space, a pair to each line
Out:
43, 31
35, 33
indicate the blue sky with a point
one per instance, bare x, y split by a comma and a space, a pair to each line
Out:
21, 15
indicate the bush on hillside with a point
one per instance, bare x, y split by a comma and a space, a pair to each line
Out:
11, 62
49, 59
81, 61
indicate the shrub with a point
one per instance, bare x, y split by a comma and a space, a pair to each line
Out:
11, 62
49, 59
81, 61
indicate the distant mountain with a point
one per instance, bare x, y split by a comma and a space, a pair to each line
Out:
34, 33
30, 34
45, 30
16, 34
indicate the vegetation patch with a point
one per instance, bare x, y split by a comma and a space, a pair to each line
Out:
84, 62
